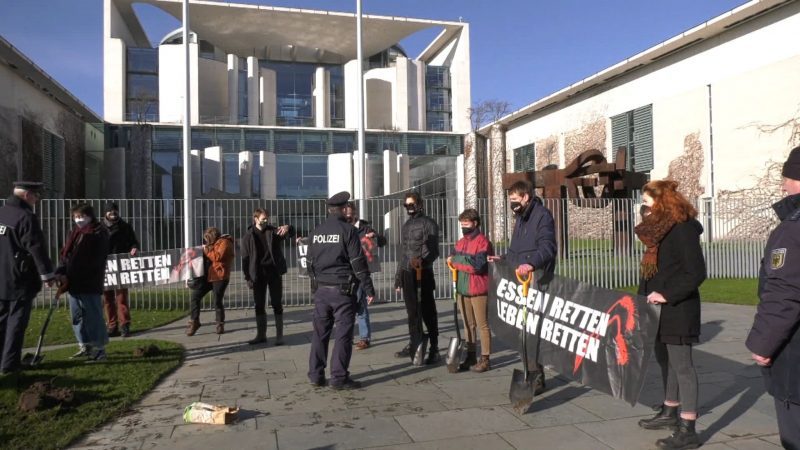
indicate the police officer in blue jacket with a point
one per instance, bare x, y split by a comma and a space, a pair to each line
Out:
775, 336
24, 265
336, 266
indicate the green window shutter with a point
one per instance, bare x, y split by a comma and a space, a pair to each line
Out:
643, 138
619, 134
524, 158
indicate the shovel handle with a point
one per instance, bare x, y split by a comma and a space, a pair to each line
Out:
418, 270
526, 282
453, 271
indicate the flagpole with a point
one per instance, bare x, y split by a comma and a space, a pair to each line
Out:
187, 136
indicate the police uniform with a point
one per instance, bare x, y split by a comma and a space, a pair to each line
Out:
337, 266
24, 264
776, 328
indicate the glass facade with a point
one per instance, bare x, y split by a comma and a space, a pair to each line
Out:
141, 93
242, 91
337, 96
439, 109
294, 96
301, 157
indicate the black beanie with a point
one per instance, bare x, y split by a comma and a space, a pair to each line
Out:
791, 168
111, 206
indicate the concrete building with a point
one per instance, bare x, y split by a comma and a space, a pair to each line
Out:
46, 134
274, 110
716, 108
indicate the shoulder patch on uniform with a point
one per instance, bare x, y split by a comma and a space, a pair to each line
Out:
778, 258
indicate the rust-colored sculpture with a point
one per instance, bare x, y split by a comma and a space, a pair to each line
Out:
578, 181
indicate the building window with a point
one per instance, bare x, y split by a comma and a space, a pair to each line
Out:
242, 91
439, 108
294, 96
337, 96
525, 158
633, 130
53, 164
141, 102
302, 176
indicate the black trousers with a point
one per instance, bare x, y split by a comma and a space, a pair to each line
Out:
332, 308
14, 317
427, 307
219, 294
274, 283
788, 424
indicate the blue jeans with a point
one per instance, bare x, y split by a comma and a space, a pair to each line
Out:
362, 316
88, 322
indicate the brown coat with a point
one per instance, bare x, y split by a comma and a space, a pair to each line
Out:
220, 253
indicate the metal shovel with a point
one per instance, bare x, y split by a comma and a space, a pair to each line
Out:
34, 359
522, 384
422, 338
455, 351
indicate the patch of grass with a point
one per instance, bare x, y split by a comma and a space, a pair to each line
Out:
102, 390
60, 329
734, 291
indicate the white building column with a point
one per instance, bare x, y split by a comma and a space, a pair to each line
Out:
114, 74
322, 104
253, 92
212, 169
269, 94
246, 174
340, 173
233, 89
460, 183
171, 82
350, 99
269, 169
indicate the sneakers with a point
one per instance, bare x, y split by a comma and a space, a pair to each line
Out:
404, 353
363, 344
220, 328
83, 351
97, 356
346, 385
113, 332
125, 330
319, 383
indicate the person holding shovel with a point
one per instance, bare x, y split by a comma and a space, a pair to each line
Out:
24, 265
533, 245
470, 259
419, 248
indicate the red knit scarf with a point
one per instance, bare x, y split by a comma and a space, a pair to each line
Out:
75, 237
651, 232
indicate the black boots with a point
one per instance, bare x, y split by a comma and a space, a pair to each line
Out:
278, 329
261, 330
684, 437
667, 418
469, 362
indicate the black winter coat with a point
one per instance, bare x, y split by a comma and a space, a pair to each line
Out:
681, 271
419, 239
121, 237
534, 239
776, 328
23, 252
85, 265
252, 256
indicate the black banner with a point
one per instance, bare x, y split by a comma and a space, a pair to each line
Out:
153, 268
598, 337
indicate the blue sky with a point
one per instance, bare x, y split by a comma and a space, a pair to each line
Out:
521, 50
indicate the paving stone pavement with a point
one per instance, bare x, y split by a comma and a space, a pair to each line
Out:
406, 407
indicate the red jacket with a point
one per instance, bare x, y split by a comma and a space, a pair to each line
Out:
471, 259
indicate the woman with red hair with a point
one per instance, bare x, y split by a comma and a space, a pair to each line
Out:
672, 270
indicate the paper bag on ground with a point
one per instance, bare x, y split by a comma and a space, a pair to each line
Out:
199, 412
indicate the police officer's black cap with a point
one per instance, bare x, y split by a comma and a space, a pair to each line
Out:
791, 168
339, 199
33, 186
111, 206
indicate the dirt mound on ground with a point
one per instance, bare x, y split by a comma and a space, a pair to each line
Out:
147, 352
43, 395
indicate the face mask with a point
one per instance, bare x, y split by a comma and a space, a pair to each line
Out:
467, 230
112, 217
263, 224
516, 207
82, 222
411, 209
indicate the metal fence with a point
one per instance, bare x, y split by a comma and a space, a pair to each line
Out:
596, 240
